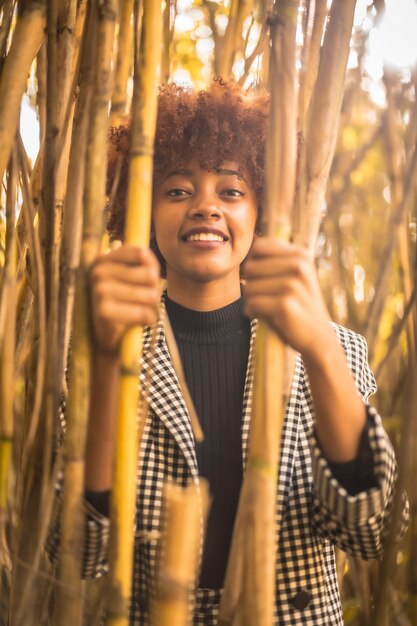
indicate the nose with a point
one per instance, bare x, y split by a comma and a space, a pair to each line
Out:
205, 207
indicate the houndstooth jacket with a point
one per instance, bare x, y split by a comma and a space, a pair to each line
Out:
314, 512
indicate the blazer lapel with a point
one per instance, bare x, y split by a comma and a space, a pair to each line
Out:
162, 392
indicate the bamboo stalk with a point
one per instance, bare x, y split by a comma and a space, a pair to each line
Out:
32, 494
41, 92
380, 614
144, 109
185, 511
7, 17
226, 59
397, 330
7, 339
27, 38
69, 608
310, 56
255, 523
396, 219
49, 229
254, 54
308, 75
325, 111
166, 48
123, 64
72, 225
395, 165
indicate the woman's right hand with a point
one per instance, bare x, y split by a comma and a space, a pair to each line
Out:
125, 291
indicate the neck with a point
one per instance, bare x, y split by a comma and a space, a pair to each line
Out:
203, 296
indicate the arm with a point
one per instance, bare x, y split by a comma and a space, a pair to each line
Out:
282, 288
125, 290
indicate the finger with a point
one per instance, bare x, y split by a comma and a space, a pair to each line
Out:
127, 253
124, 273
271, 307
266, 246
271, 286
292, 265
115, 291
128, 314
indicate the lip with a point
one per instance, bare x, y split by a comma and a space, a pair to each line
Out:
204, 229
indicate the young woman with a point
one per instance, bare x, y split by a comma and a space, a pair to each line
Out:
338, 470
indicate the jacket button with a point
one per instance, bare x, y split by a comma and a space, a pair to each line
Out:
301, 600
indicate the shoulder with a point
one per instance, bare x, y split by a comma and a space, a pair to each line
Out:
351, 342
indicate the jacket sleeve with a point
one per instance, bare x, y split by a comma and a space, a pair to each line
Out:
97, 530
358, 524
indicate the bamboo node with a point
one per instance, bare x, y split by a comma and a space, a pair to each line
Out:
263, 466
106, 11
171, 588
143, 151
128, 371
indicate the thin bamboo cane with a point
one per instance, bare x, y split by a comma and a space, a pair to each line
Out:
395, 166
185, 511
397, 330
308, 77
72, 225
380, 614
7, 18
166, 48
31, 529
27, 38
310, 56
226, 59
7, 339
69, 608
256, 517
211, 8
254, 54
124, 63
66, 66
139, 202
325, 110
49, 229
41, 91
396, 219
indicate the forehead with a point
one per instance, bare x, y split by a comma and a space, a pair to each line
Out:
194, 168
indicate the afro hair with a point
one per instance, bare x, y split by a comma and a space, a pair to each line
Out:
212, 126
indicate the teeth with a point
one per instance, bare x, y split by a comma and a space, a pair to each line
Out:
204, 237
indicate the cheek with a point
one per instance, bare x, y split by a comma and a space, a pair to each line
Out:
248, 226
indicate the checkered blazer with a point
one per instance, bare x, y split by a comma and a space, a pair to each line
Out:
314, 512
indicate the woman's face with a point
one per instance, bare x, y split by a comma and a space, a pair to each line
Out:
204, 222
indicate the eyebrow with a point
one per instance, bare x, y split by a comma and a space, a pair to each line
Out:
219, 171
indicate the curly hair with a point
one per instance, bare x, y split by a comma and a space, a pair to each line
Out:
211, 126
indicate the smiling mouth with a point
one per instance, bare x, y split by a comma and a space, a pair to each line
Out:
205, 237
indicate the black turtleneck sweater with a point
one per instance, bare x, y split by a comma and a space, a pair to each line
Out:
214, 348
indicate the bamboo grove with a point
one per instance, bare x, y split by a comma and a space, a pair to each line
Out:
341, 179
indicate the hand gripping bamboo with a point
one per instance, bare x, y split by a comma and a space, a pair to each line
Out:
249, 594
137, 233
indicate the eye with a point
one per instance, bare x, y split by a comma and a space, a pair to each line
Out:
233, 193
177, 192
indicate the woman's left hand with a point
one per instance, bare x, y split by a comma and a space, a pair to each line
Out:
282, 288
